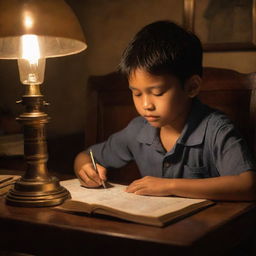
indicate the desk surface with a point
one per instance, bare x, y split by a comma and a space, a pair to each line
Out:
46, 231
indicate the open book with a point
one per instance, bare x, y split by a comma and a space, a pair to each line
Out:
114, 201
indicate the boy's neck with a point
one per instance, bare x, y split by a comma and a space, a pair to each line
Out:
170, 134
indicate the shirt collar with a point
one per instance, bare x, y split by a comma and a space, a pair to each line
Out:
192, 133
194, 130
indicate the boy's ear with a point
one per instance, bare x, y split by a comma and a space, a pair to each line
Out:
193, 85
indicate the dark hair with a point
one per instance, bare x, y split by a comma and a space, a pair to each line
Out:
161, 48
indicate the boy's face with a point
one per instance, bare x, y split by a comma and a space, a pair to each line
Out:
161, 100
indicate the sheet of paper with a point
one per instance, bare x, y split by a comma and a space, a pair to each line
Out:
8, 179
7, 182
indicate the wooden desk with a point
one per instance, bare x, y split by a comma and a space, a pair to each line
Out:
45, 231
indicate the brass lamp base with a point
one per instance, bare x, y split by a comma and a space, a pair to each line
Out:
36, 187
29, 193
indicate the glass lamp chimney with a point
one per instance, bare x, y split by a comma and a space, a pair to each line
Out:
31, 64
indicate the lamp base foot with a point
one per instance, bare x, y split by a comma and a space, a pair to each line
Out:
31, 193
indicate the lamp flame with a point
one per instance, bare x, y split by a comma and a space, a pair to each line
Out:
31, 64
30, 48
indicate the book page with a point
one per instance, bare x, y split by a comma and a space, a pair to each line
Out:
8, 179
7, 182
115, 197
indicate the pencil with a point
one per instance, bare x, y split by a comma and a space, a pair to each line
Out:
95, 168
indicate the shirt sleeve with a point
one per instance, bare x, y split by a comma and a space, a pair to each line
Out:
231, 153
115, 151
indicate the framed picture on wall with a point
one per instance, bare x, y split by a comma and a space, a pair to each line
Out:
222, 25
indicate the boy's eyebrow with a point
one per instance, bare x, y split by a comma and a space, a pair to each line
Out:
151, 87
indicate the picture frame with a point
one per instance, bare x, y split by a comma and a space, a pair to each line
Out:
222, 25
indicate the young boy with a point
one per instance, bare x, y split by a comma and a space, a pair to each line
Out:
182, 147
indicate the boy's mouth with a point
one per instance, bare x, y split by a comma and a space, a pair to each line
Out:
151, 118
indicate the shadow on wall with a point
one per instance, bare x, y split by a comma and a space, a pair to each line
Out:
62, 152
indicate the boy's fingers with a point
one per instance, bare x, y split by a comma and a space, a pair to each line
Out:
102, 172
135, 186
81, 175
92, 174
89, 178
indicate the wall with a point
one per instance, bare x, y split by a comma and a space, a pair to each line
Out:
244, 62
108, 26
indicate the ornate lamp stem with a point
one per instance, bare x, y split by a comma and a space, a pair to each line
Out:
36, 187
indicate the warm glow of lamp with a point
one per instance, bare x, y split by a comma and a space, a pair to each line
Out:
28, 21
31, 65
31, 31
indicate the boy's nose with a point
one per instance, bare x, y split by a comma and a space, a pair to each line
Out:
147, 105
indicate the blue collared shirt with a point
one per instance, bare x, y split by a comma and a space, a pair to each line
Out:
209, 146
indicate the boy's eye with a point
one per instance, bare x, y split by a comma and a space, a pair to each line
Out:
136, 94
158, 93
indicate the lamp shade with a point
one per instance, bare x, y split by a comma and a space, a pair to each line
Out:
52, 21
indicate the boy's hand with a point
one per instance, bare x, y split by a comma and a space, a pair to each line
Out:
89, 177
151, 186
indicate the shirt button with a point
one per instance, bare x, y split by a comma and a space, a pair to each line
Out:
167, 165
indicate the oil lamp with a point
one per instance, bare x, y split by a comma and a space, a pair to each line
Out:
31, 31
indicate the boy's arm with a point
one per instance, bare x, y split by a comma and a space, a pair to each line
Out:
235, 188
84, 170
